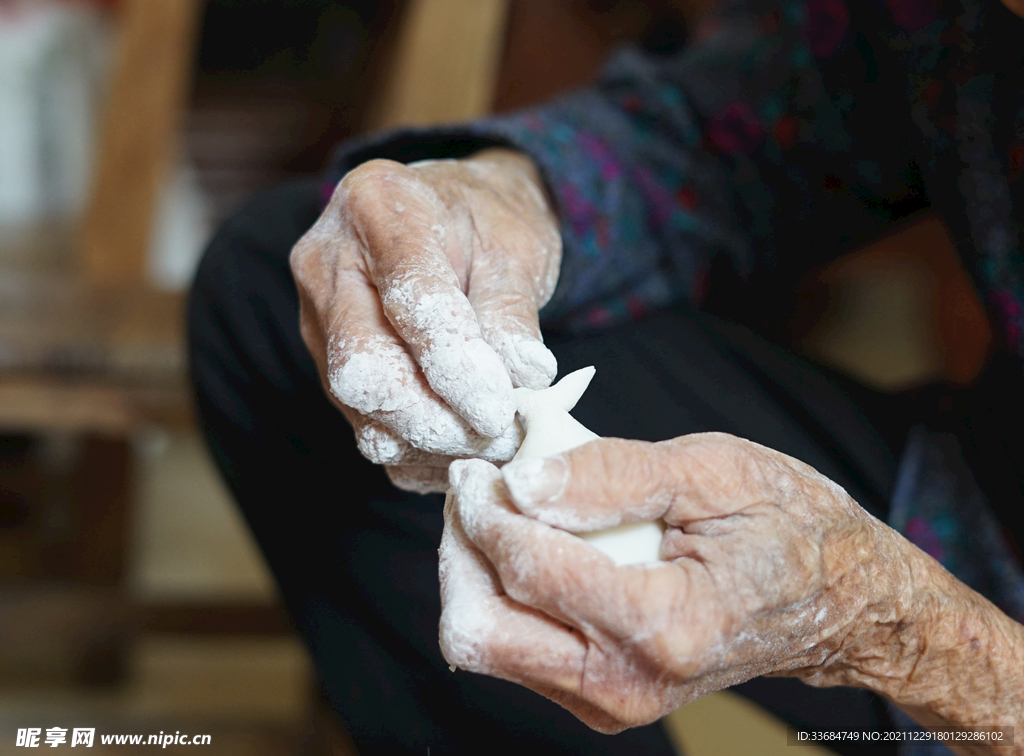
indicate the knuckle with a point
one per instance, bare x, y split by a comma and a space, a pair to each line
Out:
377, 168
643, 712
630, 715
304, 258
674, 653
369, 180
661, 646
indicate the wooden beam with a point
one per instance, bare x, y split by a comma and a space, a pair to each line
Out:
36, 403
445, 63
137, 135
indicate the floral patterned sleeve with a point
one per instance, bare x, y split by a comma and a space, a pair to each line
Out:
782, 134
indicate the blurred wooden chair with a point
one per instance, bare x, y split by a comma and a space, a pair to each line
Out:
89, 352
88, 346
443, 66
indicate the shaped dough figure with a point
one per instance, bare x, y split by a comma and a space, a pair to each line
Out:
550, 430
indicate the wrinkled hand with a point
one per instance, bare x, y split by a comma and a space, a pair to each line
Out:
419, 291
769, 568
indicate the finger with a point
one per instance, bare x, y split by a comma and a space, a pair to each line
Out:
549, 569
421, 480
610, 481
504, 296
370, 370
383, 446
362, 361
516, 253
564, 576
402, 225
567, 579
473, 606
483, 630
599, 485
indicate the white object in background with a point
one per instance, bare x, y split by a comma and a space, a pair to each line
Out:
51, 70
181, 228
550, 430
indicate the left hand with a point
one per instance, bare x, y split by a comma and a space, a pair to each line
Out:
769, 568
419, 289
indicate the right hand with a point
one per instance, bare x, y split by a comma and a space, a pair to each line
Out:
419, 288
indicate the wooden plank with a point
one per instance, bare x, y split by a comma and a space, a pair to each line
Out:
101, 487
726, 723
137, 136
63, 610
59, 633
953, 323
54, 323
445, 63
33, 404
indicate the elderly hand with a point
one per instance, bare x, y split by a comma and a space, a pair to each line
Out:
419, 290
769, 568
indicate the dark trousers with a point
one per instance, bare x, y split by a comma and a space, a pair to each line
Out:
356, 559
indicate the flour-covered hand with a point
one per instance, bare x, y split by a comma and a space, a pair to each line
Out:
769, 568
419, 291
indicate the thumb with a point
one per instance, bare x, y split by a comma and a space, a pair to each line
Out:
611, 481
599, 485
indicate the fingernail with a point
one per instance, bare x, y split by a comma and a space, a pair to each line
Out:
538, 365
536, 481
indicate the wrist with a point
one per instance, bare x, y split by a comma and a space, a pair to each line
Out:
967, 665
931, 645
880, 583
517, 167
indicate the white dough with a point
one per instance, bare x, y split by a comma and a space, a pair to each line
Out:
550, 430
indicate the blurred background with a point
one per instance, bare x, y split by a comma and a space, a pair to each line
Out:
131, 596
